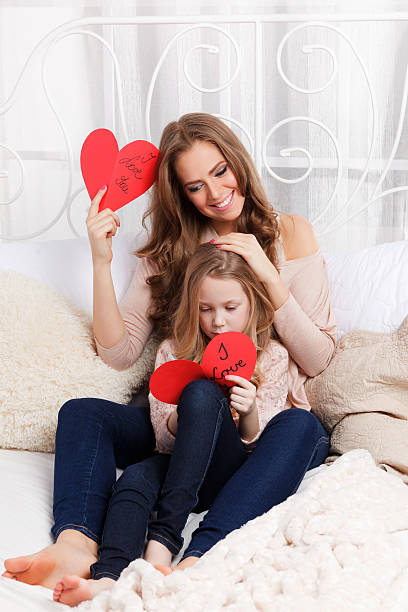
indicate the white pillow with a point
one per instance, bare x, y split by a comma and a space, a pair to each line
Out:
66, 265
47, 357
369, 288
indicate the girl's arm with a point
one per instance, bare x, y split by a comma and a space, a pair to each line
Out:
243, 400
163, 416
248, 426
272, 393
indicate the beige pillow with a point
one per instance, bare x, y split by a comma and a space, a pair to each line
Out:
48, 356
362, 397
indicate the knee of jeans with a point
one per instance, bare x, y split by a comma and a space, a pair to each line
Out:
71, 410
200, 396
305, 424
78, 410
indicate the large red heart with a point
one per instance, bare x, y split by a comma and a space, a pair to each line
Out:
169, 380
227, 353
128, 173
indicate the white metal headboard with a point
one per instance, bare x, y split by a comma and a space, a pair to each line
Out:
257, 139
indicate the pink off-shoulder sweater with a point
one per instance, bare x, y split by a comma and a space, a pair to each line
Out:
270, 396
305, 323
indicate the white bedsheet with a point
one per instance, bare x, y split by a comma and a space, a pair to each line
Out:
26, 519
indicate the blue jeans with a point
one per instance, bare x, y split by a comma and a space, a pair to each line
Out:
293, 442
209, 468
94, 436
207, 451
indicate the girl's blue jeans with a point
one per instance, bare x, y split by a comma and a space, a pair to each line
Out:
209, 468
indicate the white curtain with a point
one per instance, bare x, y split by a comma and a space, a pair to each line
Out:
325, 112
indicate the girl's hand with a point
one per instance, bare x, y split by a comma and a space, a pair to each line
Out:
242, 395
249, 248
101, 227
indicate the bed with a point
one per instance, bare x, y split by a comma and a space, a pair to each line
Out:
341, 542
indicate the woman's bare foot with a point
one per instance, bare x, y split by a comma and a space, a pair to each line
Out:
157, 553
71, 590
72, 552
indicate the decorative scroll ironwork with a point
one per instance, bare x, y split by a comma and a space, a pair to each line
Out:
257, 145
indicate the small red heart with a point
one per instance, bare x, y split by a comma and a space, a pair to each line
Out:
229, 353
169, 380
128, 173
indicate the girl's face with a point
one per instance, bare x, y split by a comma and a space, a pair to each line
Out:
224, 306
210, 185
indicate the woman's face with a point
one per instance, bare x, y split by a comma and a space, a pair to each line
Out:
224, 306
210, 185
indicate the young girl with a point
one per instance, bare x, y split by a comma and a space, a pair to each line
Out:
220, 294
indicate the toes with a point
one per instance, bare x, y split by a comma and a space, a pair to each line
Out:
70, 582
164, 569
59, 587
8, 575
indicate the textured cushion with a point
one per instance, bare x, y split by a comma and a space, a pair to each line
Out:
362, 396
47, 357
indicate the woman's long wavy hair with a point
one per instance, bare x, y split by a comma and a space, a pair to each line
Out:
190, 340
176, 227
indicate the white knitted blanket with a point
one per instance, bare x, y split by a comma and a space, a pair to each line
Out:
336, 545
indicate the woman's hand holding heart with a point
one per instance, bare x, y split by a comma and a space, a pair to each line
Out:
101, 227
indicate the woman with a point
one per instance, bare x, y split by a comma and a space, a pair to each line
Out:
207, 188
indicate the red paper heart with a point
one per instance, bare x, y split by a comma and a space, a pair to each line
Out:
230, 352
128, 173
169, 380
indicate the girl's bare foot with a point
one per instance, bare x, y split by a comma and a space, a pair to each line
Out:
165, 569
187, 562
72, 552
157, 553
71, 590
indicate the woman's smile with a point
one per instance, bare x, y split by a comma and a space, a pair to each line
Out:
226, 203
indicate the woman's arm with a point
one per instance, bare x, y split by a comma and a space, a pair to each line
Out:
137, 326
108, 325
120, 333
107, 321
303, 318
305, 322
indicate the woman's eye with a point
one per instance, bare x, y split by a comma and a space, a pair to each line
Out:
222, 171
194, 189
231, 307
204, 309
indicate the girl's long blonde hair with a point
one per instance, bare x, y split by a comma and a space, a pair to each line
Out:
190, 340
177, 226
